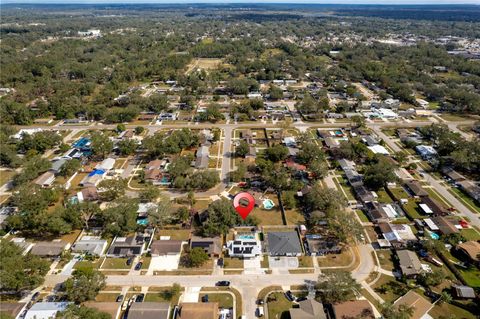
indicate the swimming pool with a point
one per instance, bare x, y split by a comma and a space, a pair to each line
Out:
143, 221
246, 237
268, 204
434, 236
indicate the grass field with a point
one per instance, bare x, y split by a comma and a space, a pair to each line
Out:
5, 176
232, 262
115, 263
279, 306
336, 260
175, 234
224, 300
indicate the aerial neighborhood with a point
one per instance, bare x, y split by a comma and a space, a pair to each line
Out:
126, 134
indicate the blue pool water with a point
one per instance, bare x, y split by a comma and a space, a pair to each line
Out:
143, 222
338, 133
268, 204
96, 172
81, 142
435, 236
246, 237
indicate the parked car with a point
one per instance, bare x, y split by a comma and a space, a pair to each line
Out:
138, 266
125, 305
129, 261
223, 283
220, 262
289, 296
301, 299
260, 302
35, 295
205, 298
140, 298
119, 298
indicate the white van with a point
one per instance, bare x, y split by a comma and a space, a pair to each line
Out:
260, 312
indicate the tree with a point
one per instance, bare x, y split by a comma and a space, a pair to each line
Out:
336, 286
324, 199
121, 127
162, 215
433, 278
127, 146
196, 257
445, 297
378, 174
357, 121
242, 149
221, 217
40, 141
101, 145
276, 153
119, 218
343, 226
20, 272
319, 169
288, 199
182, 214
82, 312
84, 284
275, 92
70, 167
111, 189
139, 130
149, 194
32, 168
402, 311
310, 152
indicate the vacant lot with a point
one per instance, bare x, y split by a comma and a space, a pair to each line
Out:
204, 64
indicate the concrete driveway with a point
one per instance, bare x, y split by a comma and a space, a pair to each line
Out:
168, 262
283, 262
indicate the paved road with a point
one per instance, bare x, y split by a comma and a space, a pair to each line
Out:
443, 190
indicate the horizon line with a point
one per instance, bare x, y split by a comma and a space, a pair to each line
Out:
260, 2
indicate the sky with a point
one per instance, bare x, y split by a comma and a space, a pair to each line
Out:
390, 2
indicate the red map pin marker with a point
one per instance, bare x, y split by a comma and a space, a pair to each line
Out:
243, 204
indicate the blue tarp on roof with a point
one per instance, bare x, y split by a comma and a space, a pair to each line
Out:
96, 172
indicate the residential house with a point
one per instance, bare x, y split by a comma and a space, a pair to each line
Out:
453, 174
435, 206
378, 149
284, 243
23, 244
382, 212
419, 304
49, 248
91, 245
93, 178
57, 165
426, 152
211, 245
149, 310
106, 165
198, 310
330, 142
45, 310
244, 247
166, 247
353, 309
11, 309
445, 225
45, 180
87, 194
416, 188
362, 193
126, 246
202, 157
472, 189
397, 235
471, 250
409, 263
308, 309
464, 292
317, 245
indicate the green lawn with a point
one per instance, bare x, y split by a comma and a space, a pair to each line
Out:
305, 261
456, 312
471, 276
5, 176
278, 307
470, 234
175, 234
106, 297
467, 200
385, 258
389, 288
362, 216
224, 300
412, 209
383, 197
115, 263
232, 262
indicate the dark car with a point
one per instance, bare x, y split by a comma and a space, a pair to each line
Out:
260, 302
129, 261
289, 296
223, 283
205, 298
138, 266
220, 262
301, 299
140, 298
35, 296
119, 298
51, 298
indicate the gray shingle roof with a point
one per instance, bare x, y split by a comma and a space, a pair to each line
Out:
284, 243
